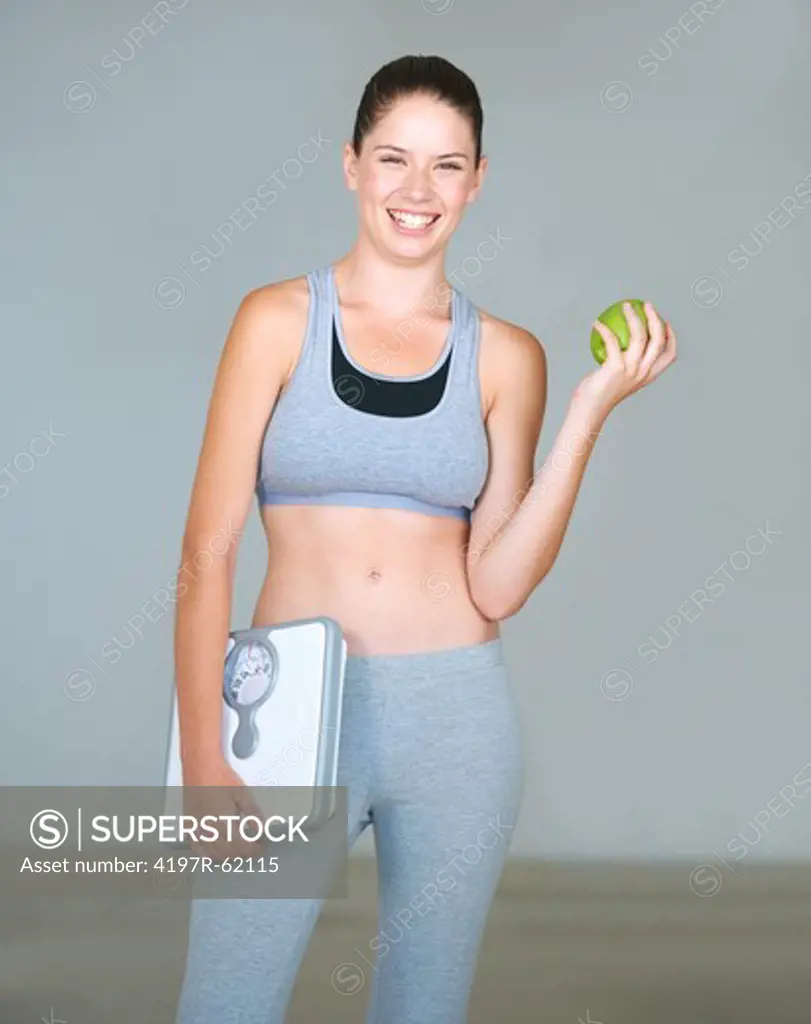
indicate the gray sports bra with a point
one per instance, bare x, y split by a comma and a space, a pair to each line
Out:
340, 435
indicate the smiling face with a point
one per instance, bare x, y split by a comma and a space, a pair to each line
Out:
415, 175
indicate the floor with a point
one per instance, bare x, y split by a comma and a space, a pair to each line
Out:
566, 943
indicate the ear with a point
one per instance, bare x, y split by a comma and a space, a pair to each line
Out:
478, 180
350, 162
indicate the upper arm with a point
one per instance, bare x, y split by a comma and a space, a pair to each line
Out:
515, 364
253, 367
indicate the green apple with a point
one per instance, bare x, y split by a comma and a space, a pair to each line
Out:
614, 320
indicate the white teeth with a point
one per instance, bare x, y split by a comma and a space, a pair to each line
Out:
412, 220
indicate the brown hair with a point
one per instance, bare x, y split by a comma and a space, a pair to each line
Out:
432, 76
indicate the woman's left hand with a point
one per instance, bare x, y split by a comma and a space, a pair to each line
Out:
648, 355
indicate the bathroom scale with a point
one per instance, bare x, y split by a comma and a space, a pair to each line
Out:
281, 715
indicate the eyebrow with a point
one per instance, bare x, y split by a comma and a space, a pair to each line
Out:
442, 156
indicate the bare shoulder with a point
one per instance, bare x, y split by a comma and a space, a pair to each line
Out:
275, 306
281, 297
271, 321
512, 358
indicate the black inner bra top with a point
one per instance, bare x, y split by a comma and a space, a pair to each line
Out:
385, 397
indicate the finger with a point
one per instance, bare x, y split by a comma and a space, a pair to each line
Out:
666, 357
670, 342
247, 808
215, 847
208, 848
639, 337
656, 342
613, 352
217, 851
245, 799
656, 327
228, 841
668, 353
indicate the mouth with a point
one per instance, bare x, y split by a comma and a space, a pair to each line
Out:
409, 223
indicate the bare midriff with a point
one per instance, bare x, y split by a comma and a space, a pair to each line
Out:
393, 579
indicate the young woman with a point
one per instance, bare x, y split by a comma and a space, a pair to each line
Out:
389, 428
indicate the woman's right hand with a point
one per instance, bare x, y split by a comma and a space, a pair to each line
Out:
212, 788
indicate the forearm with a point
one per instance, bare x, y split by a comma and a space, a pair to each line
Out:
201, 636
521, 546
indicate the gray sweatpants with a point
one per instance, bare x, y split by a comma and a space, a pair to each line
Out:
430, 753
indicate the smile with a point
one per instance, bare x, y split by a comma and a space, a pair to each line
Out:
413, 223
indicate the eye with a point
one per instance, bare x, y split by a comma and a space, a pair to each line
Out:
392, 160
449, 164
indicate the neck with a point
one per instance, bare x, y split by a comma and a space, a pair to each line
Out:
366, 277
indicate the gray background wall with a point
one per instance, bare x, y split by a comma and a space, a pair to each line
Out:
635, 149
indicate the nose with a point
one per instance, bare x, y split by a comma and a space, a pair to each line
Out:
417, 186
